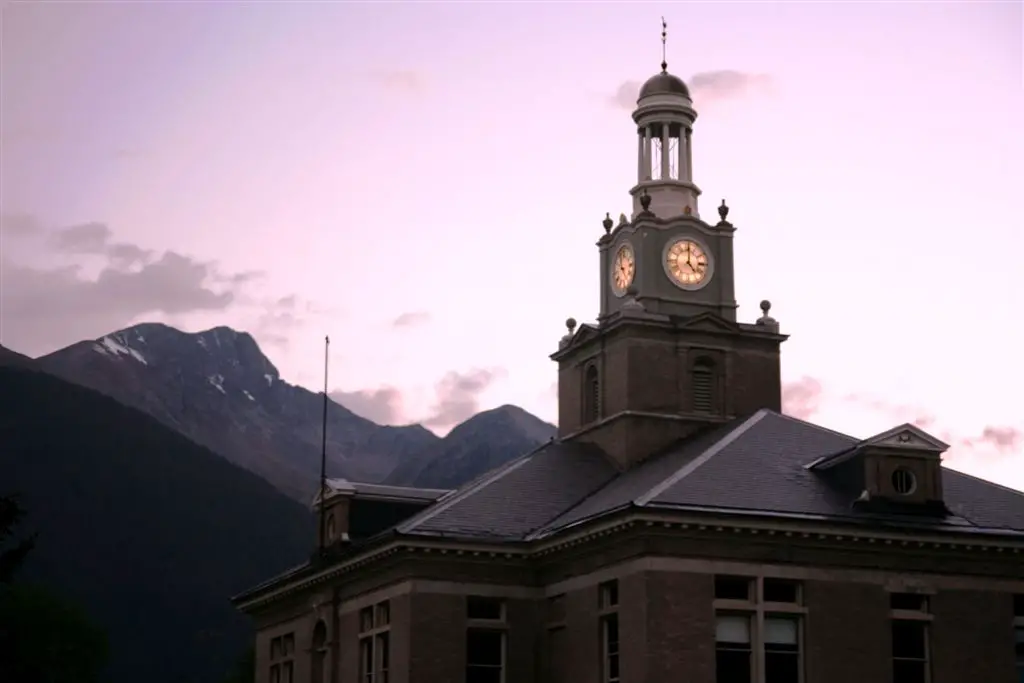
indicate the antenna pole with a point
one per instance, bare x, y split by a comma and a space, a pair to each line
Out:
664, 37
323, 457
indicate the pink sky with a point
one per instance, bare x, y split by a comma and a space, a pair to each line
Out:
451, 163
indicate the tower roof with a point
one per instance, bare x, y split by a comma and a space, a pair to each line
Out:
664, 83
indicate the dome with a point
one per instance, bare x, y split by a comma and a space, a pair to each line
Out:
664, 84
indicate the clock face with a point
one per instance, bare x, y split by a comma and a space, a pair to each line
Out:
687, 264
623, 269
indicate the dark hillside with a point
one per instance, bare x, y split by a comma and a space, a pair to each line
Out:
150, 532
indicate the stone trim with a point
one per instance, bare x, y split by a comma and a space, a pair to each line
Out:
1010, 544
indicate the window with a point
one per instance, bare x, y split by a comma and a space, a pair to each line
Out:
757, 615
282, 658
608, 603
910, 619
318, 665
1018, 633
375, 643
485, 609
485, 655
903, 481
557, 660
733, 649
703, 386
591, 395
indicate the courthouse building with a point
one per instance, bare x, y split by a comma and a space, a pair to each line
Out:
680, 528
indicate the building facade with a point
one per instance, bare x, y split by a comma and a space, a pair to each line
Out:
680, 527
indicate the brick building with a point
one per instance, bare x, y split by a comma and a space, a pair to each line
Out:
679, 528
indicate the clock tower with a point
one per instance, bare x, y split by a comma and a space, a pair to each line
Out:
667, 357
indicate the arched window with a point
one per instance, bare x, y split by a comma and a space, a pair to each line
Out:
331, 529
318, 670
591, 395
702, 384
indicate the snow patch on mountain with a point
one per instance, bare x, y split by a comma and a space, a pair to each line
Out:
248, 395
217, 381
110, 346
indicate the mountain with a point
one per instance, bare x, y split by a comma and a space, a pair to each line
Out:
479, 444
219, 389
13, 358
148, 531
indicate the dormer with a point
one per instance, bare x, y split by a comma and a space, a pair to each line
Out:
354, 510
899, 470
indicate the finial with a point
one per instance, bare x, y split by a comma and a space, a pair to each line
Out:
766, 320
664, 37
622, 219
645, 201
608, 223
723, 213
570, 325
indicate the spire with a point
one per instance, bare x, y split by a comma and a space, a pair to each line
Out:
664, 47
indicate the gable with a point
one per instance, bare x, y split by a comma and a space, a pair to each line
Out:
907, 436
707, 322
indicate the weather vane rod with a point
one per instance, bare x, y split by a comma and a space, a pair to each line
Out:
664, 37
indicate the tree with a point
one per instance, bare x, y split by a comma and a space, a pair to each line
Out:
11, 558
245, 669
43, 638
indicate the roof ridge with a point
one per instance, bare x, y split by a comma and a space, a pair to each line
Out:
458, 495
692, 465
816, 426
983, 481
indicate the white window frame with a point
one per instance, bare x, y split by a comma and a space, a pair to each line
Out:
757, 609
608, 609
370, 637
282, 658
923, 617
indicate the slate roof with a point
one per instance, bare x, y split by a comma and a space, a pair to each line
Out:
756, 465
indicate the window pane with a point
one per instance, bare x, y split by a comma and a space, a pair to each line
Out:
275, 648
904, 671
484, 608
732, 587
732, 629
609, 594
383, 614
908, 639
781, 667
366, 619
613, 667
780, 631
483, 674
366, 656
483, 647
383, 651
286, 672
288, 644
732, 667
909, 601
1018, 605
275, 674
781, 590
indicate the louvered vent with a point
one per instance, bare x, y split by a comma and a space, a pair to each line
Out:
591, 396
703, 389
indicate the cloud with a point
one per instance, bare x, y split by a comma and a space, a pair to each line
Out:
96, 239
382, 405
458, 396
43, 307
802, 399
411, 319
18, 225
705, 87
401, 79
725, 84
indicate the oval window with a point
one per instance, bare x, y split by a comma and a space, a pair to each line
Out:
903, 481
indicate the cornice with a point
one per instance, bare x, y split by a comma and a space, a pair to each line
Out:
988, 543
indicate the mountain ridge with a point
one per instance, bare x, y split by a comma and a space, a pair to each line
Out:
218, 388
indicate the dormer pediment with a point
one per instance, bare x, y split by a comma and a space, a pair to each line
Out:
708, 322
907, 437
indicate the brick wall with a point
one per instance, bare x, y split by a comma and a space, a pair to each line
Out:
437, 642
680, 627
847, 637
972, 637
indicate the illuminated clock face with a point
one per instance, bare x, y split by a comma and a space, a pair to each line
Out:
687, 264
623, 269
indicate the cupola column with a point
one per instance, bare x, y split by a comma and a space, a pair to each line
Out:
666, 154
689, 154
